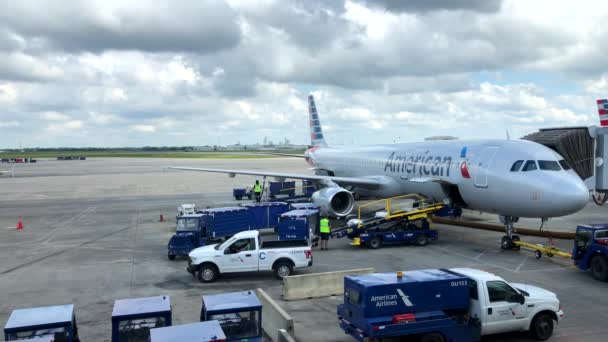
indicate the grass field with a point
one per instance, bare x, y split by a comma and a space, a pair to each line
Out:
135, 154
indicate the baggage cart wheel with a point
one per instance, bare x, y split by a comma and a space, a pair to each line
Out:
599, 268
238, 198
375, 243
505, 242
171, 256
538, 254
422, 240
208, 273
433, 337
249, 196
550, 255
542, 327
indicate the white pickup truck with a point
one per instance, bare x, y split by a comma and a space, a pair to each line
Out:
244, 252
503, 307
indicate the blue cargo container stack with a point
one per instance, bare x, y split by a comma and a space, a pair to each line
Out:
298, 224
266, 214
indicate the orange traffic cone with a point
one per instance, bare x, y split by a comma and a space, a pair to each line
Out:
20, 223
162, 218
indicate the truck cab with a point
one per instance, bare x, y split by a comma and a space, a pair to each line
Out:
55, 322
186, 209
190, 233
133, 318
591, 250
238, 313
504, 307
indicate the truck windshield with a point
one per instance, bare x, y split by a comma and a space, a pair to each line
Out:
239, 325
187, 224
58, 334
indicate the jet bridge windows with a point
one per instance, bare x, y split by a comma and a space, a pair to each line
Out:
516, 166
530, 166
549, 165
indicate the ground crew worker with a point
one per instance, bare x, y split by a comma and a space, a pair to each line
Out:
257, 190
324, 230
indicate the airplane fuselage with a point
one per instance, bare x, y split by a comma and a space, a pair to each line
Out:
473, 174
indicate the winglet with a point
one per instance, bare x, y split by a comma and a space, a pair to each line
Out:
602, 109
316, 134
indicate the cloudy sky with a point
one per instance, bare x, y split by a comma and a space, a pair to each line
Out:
167, 72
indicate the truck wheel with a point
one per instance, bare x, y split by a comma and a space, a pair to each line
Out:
283, 269
538, 254
375, 243
542, 327
422, 240
505, 243
238, 198
599, 268
208, 273
356, 196
434, 337
171, 256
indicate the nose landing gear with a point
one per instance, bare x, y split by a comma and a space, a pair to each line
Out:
507, 241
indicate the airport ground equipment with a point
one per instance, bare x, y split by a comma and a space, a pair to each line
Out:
58, 322
133, 318
285, 188
298, 224
539, 249
401, 233
208, 226
591, 250
239, 193
238, 313
385, 214
266, 214
245, 252
209, 331
186, 209
443, 305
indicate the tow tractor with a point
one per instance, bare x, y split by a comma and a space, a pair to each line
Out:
439, 305
57, 322
591, 250
402, 219
239, 314
132, 319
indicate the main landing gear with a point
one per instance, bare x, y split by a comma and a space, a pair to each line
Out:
507, 241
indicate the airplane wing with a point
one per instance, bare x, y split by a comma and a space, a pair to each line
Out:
369, 182
283, 154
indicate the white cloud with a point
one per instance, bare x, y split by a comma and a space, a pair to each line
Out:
9, 124
142, 128
66, 126
54, 116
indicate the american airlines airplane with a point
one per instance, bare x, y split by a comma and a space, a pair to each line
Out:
511, 178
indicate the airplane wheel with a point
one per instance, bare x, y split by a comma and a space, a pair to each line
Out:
538, 254
506, 243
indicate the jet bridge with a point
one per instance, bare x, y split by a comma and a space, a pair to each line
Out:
586, 151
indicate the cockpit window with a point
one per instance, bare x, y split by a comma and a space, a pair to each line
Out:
564, 164
516, 166
550, 165
530, 166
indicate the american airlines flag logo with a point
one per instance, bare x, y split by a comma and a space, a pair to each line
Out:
602, 108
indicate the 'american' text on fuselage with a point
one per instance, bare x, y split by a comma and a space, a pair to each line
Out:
423, 165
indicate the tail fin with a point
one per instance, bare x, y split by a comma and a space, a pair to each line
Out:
602, 108
316, 134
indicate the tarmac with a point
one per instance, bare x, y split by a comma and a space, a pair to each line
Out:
92, 235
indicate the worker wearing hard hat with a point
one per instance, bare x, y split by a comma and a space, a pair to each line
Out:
324, 230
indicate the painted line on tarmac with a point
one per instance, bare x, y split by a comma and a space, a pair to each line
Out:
448, 251
521, 264
59, 252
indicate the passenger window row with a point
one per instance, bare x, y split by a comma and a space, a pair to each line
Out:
547, 165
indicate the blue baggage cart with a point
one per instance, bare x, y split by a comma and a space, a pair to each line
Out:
133, 318
57, 321
209, 331
298, 224
239, 314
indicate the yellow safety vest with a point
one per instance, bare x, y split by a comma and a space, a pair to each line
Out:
324, 226
257, 188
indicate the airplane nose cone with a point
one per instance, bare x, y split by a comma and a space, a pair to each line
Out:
576, 195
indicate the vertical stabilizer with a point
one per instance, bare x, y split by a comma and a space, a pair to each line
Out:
316, 134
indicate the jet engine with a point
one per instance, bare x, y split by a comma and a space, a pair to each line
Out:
334, 201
